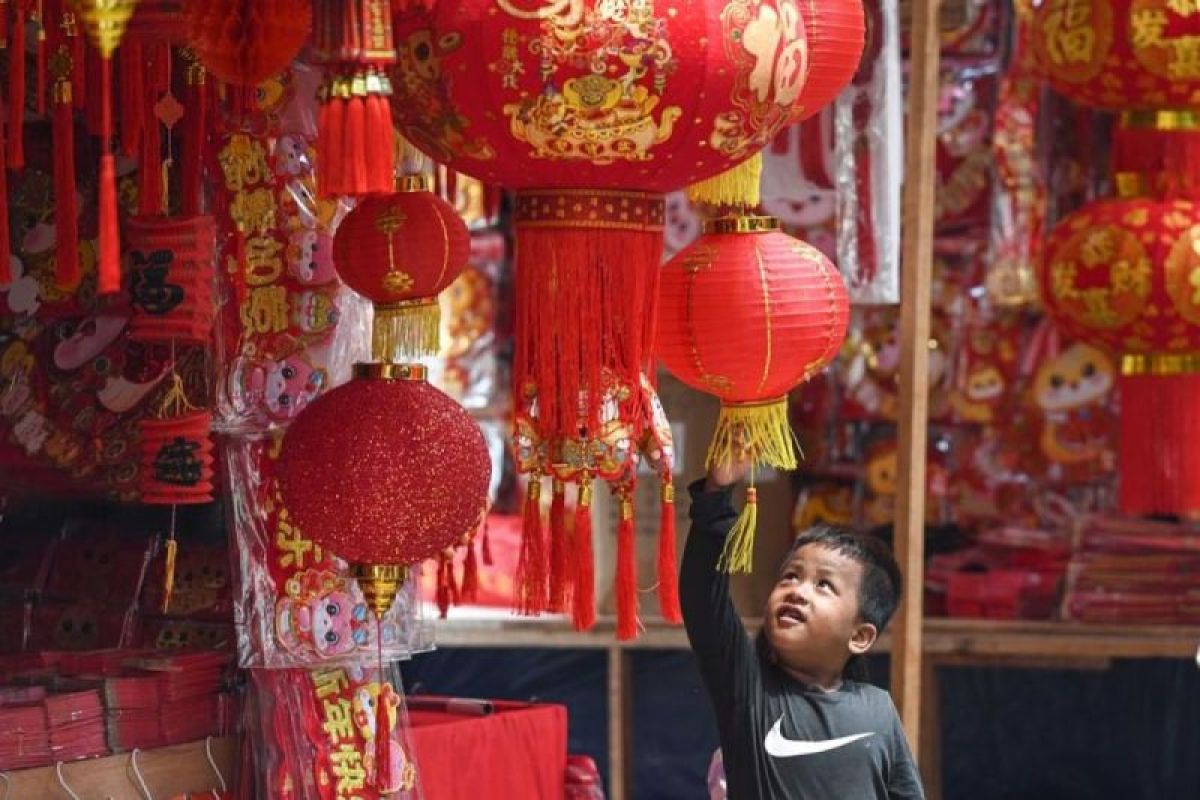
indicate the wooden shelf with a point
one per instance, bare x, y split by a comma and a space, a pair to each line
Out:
168, 772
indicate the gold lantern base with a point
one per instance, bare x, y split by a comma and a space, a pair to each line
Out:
379, 584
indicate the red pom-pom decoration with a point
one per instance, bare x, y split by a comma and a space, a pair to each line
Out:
245, 42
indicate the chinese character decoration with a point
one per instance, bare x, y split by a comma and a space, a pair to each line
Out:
746, 313
400, 251
171, 265
105, 21
1124, 274
591, 116
355, 139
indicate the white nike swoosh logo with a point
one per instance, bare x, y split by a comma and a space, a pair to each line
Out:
780, 746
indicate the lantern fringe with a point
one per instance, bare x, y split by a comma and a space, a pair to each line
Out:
739, 186
1157, 453
738, 553
668, 569
559, 557
16, 91
66, 205
758, 431
406, 331
583, 605
531, 565
626, 581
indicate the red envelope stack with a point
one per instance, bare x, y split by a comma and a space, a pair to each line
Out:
24, 742
132, 715
75, 723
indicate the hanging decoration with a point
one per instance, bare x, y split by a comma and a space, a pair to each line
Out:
1118, 274
747, 313
177, 452
400, 251
105, 22
171, 265
356, 139
591, 117
405, 482
245, 42
66, 202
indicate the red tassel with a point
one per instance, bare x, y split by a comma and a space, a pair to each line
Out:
133, 88
6, 275
330, 129
16, 92
155, 75
109, 281
668, 577
559, 563
354, 150
470, 581
79, 83
531, 567
41, 51
194, 138
443, 588
66, 210
381, 139
487, 544
584, 600
385, 781
4, 23
627, 597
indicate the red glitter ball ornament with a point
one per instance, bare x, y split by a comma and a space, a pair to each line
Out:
385, 469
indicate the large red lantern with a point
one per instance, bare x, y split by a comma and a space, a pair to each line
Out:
746, 313
245, 42
406, 480
400, 251
836, 30
1119, 273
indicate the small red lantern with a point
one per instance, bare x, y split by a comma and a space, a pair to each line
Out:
177, 459
407, 480
1119, 274
245, 42
746, 313
400, 251
171, 279
836, 31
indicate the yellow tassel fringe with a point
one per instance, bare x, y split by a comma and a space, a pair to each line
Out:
169, 575
739, 186
406, 332
738, 554
759, 432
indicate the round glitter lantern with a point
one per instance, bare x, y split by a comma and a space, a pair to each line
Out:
385, 471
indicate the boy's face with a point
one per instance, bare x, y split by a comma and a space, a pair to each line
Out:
812, 619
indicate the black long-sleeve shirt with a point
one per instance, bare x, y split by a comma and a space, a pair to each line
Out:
779, 738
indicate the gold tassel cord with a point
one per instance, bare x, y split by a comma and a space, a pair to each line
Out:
757, 431
406, 331
738, 553
739, 186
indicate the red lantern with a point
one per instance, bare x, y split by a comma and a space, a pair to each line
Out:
1118, 273
746, 313
407, 480
400, 251
171, 279
836, 30
177, 459
245, 42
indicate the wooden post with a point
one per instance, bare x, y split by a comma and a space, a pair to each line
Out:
915, 285
620, 725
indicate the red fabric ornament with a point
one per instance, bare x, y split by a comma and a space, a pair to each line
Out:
746, 313
171, 267
1118, 274
406, 481
836, 32
356, 139
400, 251
245, 42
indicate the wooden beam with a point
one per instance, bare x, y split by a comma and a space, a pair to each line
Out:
915, 284
620, 725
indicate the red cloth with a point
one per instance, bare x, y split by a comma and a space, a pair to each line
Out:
518, 751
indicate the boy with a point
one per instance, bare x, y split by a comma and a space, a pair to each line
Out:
792, 726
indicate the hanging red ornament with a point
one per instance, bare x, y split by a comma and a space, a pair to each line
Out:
171, 266
105, 22
747, 313
66, 204
400, 251
177, 458
16, 86
406, 481
245, 42
355, 140
195, 135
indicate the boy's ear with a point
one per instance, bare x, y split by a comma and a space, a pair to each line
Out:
863, 638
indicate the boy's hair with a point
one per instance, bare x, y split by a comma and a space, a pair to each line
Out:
879, 593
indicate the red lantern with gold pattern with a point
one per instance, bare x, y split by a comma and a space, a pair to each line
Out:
245, 42
746, 313
407, 480
1119, 273
400, 251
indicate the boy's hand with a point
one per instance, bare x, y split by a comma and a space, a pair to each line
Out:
727, 474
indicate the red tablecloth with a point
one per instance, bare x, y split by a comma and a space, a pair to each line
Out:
517, 753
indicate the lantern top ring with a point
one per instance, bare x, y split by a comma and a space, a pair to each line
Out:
1162, 119
388, 371
741, 224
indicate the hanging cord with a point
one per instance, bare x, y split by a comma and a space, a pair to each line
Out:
212, 762
137, 773
63, 781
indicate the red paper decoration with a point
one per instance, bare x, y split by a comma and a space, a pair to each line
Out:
177, 459
400, 251
746, 313
1118, 273
171, 264
836, 30
245, 42
407, 480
